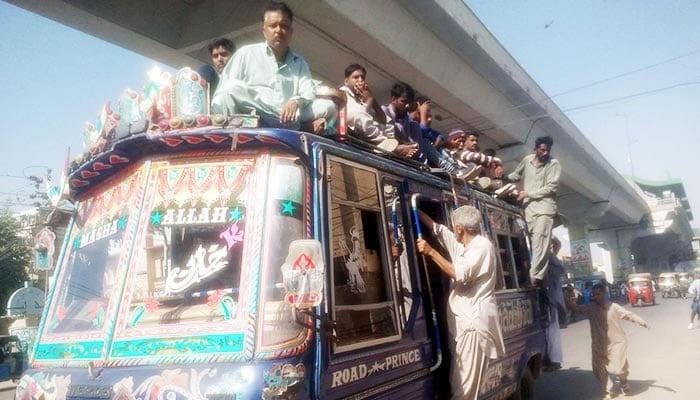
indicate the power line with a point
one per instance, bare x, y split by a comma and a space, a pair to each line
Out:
622, 75
632, 96
476, 121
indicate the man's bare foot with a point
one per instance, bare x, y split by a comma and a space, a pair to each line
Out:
319, 126
406, 150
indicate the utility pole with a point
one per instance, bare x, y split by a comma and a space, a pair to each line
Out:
629, 142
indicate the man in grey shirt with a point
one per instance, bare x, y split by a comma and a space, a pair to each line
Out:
540, 174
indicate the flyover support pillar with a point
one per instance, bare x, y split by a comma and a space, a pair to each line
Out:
580, 250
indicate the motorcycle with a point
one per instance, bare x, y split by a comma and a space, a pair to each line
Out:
13, 358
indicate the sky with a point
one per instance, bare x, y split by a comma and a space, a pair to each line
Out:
53, 80
627, 73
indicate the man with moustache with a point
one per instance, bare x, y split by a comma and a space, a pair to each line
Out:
409, 131
540, 174
475, 331
365, 117
272, 79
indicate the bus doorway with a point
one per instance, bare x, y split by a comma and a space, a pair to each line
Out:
436, 288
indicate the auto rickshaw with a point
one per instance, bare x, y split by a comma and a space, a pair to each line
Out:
685, 279
670, 285
640, 289
13, 358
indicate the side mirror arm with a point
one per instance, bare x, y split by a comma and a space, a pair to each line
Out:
325, 326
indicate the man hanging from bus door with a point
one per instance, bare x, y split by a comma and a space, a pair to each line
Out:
473, 321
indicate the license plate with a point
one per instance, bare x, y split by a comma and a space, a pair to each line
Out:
89, 392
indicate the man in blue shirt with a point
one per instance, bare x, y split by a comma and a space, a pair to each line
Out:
272, 79
409, 131
220, 51
422, 113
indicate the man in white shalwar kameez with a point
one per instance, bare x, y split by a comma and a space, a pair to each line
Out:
272, 79
609, 341
473, 315
557, 307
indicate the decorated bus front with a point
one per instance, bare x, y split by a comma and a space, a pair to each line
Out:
171, 285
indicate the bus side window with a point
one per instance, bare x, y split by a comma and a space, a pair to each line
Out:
522, 260
506, 265
363, 301
521, 251
499, 222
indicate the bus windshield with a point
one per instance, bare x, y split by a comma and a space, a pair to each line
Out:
88, 282
183, 249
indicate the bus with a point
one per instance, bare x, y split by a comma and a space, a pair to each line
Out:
208, 258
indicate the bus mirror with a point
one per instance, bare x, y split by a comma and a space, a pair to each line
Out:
303, 271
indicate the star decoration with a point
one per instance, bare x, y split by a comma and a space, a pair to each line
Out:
236, 214
288, 207
156, 218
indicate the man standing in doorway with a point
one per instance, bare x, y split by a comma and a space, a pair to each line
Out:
540, 174
472, 321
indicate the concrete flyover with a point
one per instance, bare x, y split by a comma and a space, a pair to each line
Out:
439, 47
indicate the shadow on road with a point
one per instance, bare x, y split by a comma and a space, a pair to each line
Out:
641, 386
571, 383
579, 384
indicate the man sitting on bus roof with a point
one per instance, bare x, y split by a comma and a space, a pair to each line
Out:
408, 131
423, 114
272, 79
464, 147
365, 117
220, 51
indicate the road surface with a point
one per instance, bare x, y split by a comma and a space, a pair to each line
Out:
664, 360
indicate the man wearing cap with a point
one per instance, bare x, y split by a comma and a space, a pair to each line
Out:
365, 117
464, 147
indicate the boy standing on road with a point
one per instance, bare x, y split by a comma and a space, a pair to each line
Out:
608, 341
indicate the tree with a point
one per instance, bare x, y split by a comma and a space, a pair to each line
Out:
15, 257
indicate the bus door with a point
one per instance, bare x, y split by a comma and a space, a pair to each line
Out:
378, 346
